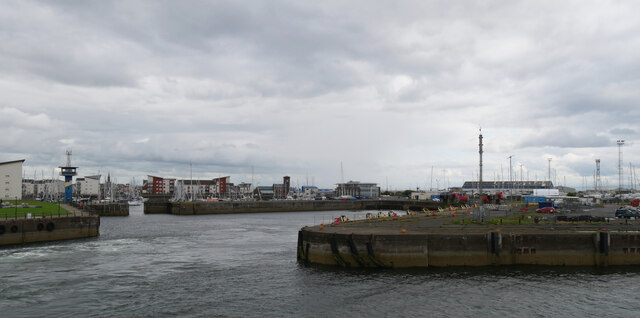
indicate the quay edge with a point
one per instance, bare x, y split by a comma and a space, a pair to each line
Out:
159, 206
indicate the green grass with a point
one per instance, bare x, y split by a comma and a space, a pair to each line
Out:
45, 209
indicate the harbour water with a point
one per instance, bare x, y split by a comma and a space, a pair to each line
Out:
244, 265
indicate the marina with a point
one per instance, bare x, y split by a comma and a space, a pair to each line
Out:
319, 159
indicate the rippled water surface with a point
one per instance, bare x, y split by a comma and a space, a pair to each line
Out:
245, 266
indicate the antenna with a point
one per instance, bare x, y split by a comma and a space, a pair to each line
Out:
68, 157
480, 172
341, 173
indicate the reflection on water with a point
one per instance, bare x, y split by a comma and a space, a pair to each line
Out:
245, 265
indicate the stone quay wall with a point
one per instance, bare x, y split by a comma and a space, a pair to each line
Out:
226, 207
108, 209
20, 231
458, 248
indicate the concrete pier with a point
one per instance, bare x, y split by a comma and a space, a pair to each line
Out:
43, 229
429, 242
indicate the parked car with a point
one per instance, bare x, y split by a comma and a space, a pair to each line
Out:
546, 210
626, 213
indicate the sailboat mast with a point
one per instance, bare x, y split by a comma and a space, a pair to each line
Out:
431, 183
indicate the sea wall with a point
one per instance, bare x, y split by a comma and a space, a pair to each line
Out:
157, 204
225, 207
108, 209
560, 248
20, 231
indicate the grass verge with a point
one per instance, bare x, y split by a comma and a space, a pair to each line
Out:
41, 209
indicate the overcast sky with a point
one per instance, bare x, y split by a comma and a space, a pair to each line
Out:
389, 89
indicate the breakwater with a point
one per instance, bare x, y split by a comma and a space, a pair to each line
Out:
162, 205
30, 230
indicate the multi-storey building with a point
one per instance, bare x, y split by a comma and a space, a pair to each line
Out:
245, 190
220, 185
357, 188
281, 191
28, 188
309, 192
89, 186
11, 180
158, 185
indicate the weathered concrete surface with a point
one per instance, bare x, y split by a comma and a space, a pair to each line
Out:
108, 209
426, 242
226, 207
20, 231
157, 204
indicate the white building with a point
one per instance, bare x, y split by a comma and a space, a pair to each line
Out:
89, 186
423, 195
11, 180
245, 190
357, 188
28, 188
309, 192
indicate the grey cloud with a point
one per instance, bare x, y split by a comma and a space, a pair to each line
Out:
565, 139
623, 132
289, 86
